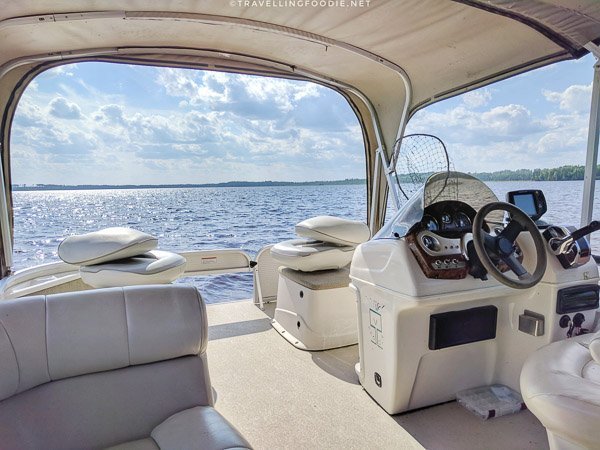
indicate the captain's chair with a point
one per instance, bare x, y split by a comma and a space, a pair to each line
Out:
122, 367
118, 256
316, 308
560, 384
325, 243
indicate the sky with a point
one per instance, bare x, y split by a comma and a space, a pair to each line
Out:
104, 123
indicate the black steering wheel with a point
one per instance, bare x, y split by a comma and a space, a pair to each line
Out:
502, 246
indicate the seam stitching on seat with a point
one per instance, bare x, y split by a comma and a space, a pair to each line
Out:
46, 334
204, 320
566, 396
126, 326
16, 358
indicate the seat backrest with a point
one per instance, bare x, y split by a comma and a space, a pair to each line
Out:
334, 230
95, 368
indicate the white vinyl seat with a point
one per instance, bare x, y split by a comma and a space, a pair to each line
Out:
334, 230
201, 427
316, 309
307, 255
153, 267
326, 243
560, 384
109, 244
115, 257
122, 367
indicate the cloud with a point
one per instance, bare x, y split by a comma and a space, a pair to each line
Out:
29, 114
467, 126
248, 96
510, 121
575, 98
510, 135
66, 70
189, 127
61, 108
477, 98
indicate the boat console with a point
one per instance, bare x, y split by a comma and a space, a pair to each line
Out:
458, 289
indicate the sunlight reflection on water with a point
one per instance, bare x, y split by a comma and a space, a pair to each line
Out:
208, 218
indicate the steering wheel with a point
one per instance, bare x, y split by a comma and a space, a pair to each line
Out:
502, 246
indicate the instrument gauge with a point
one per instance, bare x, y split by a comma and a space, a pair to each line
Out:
430, 223
462, 220
446, 218
430, 242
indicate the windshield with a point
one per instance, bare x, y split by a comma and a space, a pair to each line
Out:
439, 187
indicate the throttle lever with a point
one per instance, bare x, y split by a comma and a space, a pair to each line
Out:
562, 245
588, 229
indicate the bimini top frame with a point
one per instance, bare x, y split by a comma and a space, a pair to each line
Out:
387, 57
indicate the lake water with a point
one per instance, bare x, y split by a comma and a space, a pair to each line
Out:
209, 218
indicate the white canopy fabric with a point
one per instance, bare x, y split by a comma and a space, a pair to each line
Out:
388, 57
443, 46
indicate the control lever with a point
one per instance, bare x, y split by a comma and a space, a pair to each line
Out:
562, 245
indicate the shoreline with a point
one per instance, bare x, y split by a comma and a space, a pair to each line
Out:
241, 184
230, 184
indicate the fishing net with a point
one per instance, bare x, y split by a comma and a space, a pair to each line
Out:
420, 156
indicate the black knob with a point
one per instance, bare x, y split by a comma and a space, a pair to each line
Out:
564, 321
578, 319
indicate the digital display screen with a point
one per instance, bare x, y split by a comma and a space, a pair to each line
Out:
526, 202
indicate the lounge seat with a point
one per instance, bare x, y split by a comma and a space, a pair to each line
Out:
560, 384
119, 367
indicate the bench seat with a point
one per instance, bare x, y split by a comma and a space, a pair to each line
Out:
110, 367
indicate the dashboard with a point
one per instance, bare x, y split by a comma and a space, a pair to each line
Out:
448, 219
442, 241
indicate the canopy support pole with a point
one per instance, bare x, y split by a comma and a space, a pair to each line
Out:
375, 191
5, 220
389, 171
591, 161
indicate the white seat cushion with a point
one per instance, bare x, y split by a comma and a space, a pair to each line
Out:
594, 348
334, 230
45, 339
93, 369
308, 255
560, 384
153, 267
199, 428
105, 245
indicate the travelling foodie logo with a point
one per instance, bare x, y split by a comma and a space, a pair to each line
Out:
300, 3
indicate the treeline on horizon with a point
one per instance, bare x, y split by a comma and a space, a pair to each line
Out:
64, 187
563, 173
